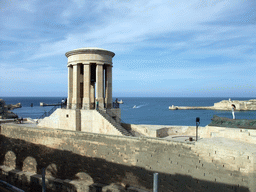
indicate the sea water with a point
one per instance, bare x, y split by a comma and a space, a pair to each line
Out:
148, 110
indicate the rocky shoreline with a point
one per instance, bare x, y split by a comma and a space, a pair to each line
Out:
5, 110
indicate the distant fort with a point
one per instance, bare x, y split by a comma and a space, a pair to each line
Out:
86, 147
249, 105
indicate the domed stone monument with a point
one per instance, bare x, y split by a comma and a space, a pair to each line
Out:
89, 102
89, 78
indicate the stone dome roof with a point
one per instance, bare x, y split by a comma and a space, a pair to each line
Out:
90, 50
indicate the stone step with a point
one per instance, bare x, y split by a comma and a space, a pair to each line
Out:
114, 123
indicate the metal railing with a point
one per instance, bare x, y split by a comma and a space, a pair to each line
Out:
120, 122
92, 105
8, 187
114, 116
48, 113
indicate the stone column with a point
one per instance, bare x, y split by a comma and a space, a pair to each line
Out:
99, 85
92, 95
87, 86
108, 87
76, 100
70, 86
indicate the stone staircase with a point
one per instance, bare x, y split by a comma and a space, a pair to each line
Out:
117, 125
47, 114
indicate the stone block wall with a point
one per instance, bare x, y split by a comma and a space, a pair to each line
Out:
237, 134
161, 131
62, 119
93, 122
194, 166
80, 120
142, 129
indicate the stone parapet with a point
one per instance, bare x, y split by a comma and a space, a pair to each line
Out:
222, 164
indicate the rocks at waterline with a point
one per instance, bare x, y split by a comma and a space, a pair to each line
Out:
5, 112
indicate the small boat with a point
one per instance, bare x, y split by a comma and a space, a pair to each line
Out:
120, 102
134, 106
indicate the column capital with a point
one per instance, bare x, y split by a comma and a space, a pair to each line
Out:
71, 64
99, 63
74, 63
110, 65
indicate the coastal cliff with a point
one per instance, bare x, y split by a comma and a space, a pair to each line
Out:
225, 105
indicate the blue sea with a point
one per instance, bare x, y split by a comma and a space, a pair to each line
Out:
149, 110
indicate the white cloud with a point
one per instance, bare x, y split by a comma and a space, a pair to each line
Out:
129, 24
128, 20
180, 31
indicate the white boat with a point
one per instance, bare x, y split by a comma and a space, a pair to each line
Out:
120, 102
134, 106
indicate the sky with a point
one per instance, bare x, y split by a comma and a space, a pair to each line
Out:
175, 48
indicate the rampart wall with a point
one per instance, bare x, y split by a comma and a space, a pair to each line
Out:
182, 166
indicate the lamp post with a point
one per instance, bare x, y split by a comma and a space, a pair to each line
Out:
197, 124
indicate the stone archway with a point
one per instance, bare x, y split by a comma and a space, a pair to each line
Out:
10, 159
30, 165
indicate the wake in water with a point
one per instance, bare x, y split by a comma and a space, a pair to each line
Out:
139, 106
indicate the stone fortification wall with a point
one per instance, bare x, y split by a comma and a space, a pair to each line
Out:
164, 131
240, 105
161, 131
223, 105
237, 134
195, 166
